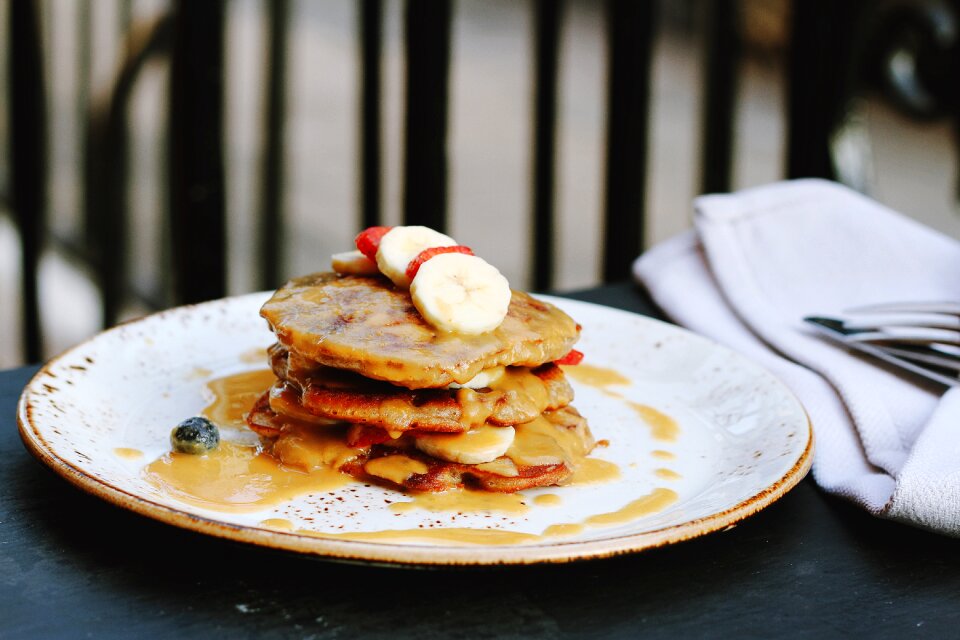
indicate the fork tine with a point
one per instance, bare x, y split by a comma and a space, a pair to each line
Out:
925, 321
833, 330
941, 307
924, 356
907, 335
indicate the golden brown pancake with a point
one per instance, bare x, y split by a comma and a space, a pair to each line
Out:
366, 325
362, 376
520, 395
546, 452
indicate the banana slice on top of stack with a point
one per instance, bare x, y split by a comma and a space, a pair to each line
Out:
452, 289
416, 365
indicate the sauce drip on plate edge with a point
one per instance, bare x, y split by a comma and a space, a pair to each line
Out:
241, 478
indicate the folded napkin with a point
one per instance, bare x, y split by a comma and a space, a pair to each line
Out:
759, 261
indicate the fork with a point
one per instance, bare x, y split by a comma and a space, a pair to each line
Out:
920, 322
920, 337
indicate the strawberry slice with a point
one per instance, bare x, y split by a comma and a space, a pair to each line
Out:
574, 357
426, 254
368, 241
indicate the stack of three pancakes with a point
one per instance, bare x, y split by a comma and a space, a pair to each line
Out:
367, 387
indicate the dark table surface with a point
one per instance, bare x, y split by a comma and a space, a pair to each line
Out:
809, 565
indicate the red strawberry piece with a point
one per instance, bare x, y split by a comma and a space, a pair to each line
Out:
426, 254
574, 357
368, 241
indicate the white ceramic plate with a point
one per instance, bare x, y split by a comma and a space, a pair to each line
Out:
743, 439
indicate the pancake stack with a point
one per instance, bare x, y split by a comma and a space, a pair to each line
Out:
375, 391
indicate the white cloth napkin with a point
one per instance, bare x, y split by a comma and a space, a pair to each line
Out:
762, 259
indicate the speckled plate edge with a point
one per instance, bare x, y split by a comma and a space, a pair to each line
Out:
398, 554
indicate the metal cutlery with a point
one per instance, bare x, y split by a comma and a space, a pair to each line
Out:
941, 307
932, 352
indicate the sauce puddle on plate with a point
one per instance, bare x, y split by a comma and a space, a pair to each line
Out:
465, 501
548, 500
667, 474
594, 376
239, 478
654, 502
662, 426
236, 479
232, 397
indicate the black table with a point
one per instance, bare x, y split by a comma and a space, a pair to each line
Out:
809, 565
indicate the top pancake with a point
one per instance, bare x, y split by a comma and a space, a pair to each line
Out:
365, 324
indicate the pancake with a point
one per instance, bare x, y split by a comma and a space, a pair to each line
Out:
365, 325
546, 452
364, 387
519, 395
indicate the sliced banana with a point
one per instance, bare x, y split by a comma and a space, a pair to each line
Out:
476, 446
353, 263
482, 380
460, 293
400, 245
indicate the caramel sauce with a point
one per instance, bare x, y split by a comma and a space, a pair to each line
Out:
502, 466
594, 376
653, 502
395, 411
198, 373
658, 500
473, 410
277, 523
517, 386
595, 471
452, 536
483, 379
667, 474
465, 501
127, 453
540, 442
236, 479
662, 426
547, 500
662, 455
561, 530
241, 479
310, 448
233, 396
256, 355
395, 468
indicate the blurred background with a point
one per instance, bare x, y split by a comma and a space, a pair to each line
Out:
310, 112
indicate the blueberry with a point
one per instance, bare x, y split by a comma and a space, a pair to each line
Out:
195, 435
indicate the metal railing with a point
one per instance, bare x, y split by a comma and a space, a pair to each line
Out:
828, 46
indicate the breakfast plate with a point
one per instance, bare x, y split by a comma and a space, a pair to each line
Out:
694, 437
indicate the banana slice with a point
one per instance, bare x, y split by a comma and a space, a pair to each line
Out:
400, 245
476, 446
483, 379
460, 293
353, 263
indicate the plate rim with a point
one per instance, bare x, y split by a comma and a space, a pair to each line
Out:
401, 554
